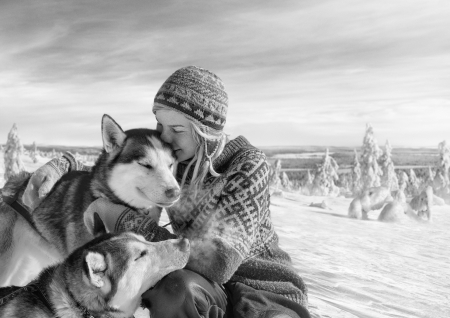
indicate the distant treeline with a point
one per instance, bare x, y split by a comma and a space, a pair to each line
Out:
91, 151
344, 156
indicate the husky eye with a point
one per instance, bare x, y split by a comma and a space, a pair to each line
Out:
143, 253
146, 165
170, 166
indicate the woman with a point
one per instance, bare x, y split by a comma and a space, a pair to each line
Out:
236, 268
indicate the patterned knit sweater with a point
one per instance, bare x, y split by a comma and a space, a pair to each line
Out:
229, 225
231, 221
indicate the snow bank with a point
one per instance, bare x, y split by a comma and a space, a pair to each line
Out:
357, 268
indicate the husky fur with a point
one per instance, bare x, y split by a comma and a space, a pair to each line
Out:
135, 169
104, 278
16, 266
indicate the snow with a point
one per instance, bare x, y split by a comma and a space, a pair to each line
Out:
357, 268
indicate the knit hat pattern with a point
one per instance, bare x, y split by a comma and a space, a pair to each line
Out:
197, 93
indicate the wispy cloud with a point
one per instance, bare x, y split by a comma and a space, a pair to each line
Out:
297, 72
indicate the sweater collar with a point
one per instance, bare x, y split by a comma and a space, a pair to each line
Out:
221, 162
229, 151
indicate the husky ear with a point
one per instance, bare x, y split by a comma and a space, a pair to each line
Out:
99, 226
112, 134
96, 267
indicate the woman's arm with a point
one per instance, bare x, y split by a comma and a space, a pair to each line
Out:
44, 178
236, 226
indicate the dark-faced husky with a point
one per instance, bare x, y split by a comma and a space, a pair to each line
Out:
104, 278
135, 169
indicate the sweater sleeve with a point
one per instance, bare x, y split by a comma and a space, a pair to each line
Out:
133, 221
73, 164
237, 219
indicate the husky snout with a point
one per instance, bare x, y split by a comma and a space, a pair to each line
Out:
180, 245
175, 252
184, 245
173, 193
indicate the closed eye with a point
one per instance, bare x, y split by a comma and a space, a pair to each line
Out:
146, 165
143, 253
177, 131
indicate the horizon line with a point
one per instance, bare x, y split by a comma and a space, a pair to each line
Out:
260, 147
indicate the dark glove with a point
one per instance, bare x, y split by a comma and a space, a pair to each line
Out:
185, 294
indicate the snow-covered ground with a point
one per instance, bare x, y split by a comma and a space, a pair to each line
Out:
360, 268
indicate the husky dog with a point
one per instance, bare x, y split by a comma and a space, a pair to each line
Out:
104, 278
21, 246
135, 169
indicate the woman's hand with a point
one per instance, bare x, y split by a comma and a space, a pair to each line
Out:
104, 216
41, 182
213, 258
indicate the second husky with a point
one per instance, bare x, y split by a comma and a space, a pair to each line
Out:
104, 278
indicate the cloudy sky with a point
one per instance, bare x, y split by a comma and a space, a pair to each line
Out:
301, 72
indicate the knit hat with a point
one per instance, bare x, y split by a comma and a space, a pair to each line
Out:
197, 93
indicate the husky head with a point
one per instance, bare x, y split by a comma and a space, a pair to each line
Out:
109, 274
135, 168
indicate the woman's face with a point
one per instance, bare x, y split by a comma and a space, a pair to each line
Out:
176, 130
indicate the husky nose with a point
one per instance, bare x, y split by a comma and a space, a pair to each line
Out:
172, 193
184, 244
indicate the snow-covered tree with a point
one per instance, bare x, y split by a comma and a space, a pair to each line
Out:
325, 176
13, 151
429, 178
389, 178
403, 180
356, 175
345, 184
402, 184
441, 181
274, 176
413, 184
285, 182
309, 178
34, 152
370, 171
307, 183
344, 181
444, 160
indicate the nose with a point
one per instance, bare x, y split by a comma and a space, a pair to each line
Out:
165, 136
184, 245
172, 193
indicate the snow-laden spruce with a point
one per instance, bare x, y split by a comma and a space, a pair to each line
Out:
12, 152
370, 171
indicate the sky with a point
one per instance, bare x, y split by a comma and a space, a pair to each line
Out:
301, 72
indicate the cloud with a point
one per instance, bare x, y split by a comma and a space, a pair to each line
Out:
310, 64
